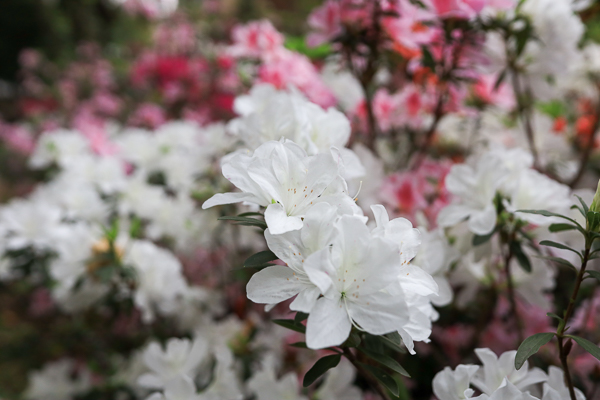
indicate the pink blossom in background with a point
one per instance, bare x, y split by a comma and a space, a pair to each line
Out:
255, 39
148, 115
30, 59
17, 137
500, 335
587, 317
285, 68
404, 193
176, 37
325, 22
386, 108
453, 339
94, 129
409, 31
502, 96
41, 302
458, 8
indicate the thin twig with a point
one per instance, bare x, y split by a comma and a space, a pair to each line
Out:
524, 110
511, 294
562, 326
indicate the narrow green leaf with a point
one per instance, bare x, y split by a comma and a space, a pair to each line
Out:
558, 260
290, 324
530, 346
594, 274
383, 377
552, 315
250, 213
583, 205
385, 360
391, 342
587, 345
522, 258
547, 214
321, 366
481, 239
260, 259
245, 221
557, 245
561, 227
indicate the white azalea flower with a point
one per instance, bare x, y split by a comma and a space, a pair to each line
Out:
555, 388
55, 381
278, 283
475, 187
159, 275
181, 388
180, 359
60, 147
282, 178
351, 275
454, 385
536, 191
496, 369
266, 386
338, 383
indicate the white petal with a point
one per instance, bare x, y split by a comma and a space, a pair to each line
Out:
453, 214
378, 313
414, 279
273, 285
229, 198
328, 324
279, 222
305, 300
381, 215
483, 222
320, 270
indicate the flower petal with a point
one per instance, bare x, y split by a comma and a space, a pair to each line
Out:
328, 324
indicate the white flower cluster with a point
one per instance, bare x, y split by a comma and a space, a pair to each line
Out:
498, 379
149, 180
342, 272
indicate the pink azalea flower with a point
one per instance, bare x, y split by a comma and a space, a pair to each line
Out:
255, 39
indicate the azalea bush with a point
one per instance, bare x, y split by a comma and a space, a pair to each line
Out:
388, 200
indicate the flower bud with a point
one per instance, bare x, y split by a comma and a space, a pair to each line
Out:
596, 201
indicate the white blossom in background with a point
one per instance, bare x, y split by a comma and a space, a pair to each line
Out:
55, 381
498, 379
554, 54
180, 358
474, 186
159, 276
270, 114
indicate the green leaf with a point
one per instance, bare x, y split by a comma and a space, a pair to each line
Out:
250, 213
530, 346
260, 259
561, 227
245, 221
299, 317
427, 59
353, 340
321, 366
391, 341
481, 239
385, 360
522, 258
587, 345
558, 260
300, 345
583, 205
547, 214
290, 324
552, 315
594, 274
557, 245
383, 377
